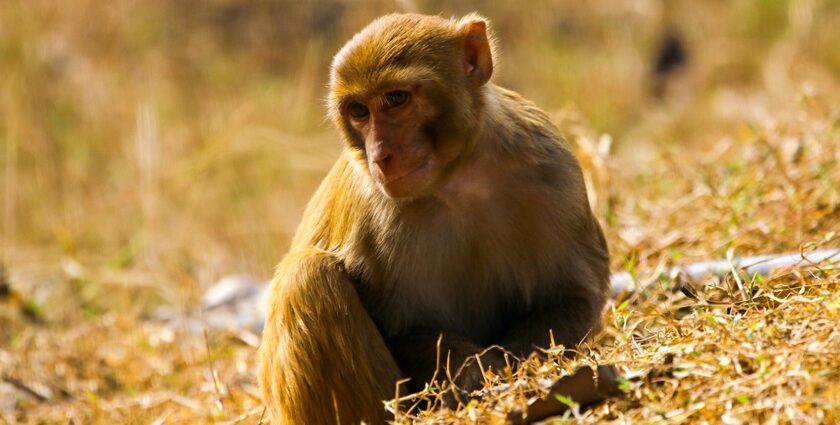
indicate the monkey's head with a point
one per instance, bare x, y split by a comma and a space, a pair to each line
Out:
406, 95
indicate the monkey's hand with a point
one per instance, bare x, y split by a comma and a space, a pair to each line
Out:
470, 376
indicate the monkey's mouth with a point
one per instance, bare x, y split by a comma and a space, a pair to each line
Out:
408, 185
395, 179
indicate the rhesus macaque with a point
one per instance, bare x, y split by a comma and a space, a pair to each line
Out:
455, 209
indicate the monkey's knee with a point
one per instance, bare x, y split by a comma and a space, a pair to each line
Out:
322, 358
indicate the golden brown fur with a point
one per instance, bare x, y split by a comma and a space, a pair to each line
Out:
492, 242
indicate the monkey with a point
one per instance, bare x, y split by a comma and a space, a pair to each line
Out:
455, 219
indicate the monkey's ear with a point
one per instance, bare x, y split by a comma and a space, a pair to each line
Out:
478, 57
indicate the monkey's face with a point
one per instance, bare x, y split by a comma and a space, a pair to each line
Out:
396, 141
406, 95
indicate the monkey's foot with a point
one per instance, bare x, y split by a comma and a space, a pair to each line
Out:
583, 387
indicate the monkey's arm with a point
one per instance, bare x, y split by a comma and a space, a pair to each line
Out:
568, 321
323, 358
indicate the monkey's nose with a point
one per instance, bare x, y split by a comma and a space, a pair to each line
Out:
384, 162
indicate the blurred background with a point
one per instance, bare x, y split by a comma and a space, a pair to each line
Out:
148, 148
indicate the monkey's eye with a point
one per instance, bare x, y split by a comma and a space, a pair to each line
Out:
396, 98
357, 110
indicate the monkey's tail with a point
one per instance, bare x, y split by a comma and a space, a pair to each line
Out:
623, 283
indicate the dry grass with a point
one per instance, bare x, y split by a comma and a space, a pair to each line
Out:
149, 148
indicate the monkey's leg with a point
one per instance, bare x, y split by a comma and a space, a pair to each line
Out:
425, 353
569, 321
323, 360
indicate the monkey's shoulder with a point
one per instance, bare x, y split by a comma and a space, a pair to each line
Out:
527, 131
